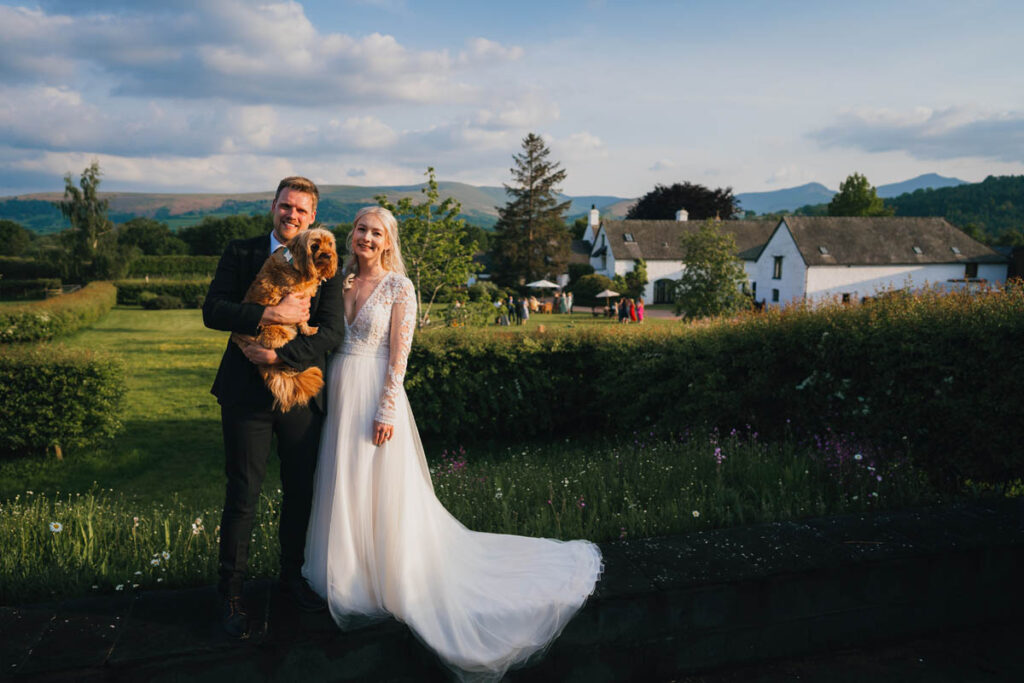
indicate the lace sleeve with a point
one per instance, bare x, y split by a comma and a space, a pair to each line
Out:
403, 322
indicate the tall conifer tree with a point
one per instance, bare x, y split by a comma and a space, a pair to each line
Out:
532, 241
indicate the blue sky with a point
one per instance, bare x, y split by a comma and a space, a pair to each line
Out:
231, 95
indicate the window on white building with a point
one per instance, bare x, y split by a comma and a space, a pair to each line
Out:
775, 295
846, 297
970, 270
777, 268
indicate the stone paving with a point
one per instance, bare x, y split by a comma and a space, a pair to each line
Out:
750, 603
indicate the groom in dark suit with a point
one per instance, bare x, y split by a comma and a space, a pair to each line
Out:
248, 418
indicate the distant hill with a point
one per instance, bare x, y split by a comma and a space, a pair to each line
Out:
338, 204
993, 206
921, 182
785, 200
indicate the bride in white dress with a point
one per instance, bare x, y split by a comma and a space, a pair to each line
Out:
380, 544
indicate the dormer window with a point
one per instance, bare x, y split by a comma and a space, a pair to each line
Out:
823, 251
955, 250
628, 237
918, 251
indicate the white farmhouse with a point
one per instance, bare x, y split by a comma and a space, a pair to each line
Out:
802, 257
851, 258
618, 244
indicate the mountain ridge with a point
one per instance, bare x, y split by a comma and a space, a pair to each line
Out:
338, 203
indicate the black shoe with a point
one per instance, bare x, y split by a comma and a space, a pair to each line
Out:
304, 596
233, 618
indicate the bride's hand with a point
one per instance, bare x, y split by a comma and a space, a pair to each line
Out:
382, 433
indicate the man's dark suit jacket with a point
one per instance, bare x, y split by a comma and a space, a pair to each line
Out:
238, 380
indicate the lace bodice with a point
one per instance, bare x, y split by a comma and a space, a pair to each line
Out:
383, 328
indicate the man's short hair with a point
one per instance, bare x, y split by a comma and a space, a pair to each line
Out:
299, 184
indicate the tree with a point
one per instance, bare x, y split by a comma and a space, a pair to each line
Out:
857, 197
700, 203
531, 240
586, 289
152, 237
435, 247
713, 276
636, 279
14, 239
88, 216
212, 235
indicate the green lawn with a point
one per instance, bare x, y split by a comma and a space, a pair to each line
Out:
171, 443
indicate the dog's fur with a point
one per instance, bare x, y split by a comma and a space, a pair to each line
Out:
314, 259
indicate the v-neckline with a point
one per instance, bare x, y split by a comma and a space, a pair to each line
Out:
366, 301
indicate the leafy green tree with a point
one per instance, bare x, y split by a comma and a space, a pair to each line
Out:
578, 229
636, 279
14, 239
856, 197
212, 235
586, 289
152, 237
578, 270
713, 280
435, 248
700, 203
87, 214
531, 240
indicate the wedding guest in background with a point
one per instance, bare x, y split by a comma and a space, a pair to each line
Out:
640, 310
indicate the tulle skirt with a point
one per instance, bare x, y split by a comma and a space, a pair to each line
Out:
380, 544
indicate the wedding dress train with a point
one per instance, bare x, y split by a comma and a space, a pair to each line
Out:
380, 543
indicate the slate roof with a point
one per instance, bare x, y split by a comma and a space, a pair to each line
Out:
660, 240
884, 241
579, 251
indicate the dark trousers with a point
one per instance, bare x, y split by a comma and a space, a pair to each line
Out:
247, 439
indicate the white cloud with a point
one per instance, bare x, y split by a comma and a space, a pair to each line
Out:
482, 50
578, 146
923, 133
663, 165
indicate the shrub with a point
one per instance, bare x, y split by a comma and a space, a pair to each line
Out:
162, 302
28, 289
62, 315
174, 267
468, 314
54, 397
191, 293
483, 290
930, 376
27, 269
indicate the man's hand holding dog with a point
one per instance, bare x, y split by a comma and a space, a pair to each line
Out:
259, 355
292, 310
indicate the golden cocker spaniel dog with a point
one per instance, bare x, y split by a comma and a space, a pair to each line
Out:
313, 258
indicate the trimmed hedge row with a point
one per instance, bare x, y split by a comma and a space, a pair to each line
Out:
28, 288
191, 293
62, 315
169, 267
55, 398
17, 268
930, 376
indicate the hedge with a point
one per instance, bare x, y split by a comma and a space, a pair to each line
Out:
16, 268
54, 397
191, 293
170, 267
31, 289
933, 377
62, 315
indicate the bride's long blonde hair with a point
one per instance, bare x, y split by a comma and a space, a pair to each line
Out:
390, 258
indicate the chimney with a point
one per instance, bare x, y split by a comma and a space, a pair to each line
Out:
682, 215
595, 222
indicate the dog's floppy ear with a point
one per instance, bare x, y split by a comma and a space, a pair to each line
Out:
303, 261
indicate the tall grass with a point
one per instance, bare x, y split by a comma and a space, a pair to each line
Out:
105, 541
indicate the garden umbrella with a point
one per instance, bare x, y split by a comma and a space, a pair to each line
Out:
542, 284
606, 294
